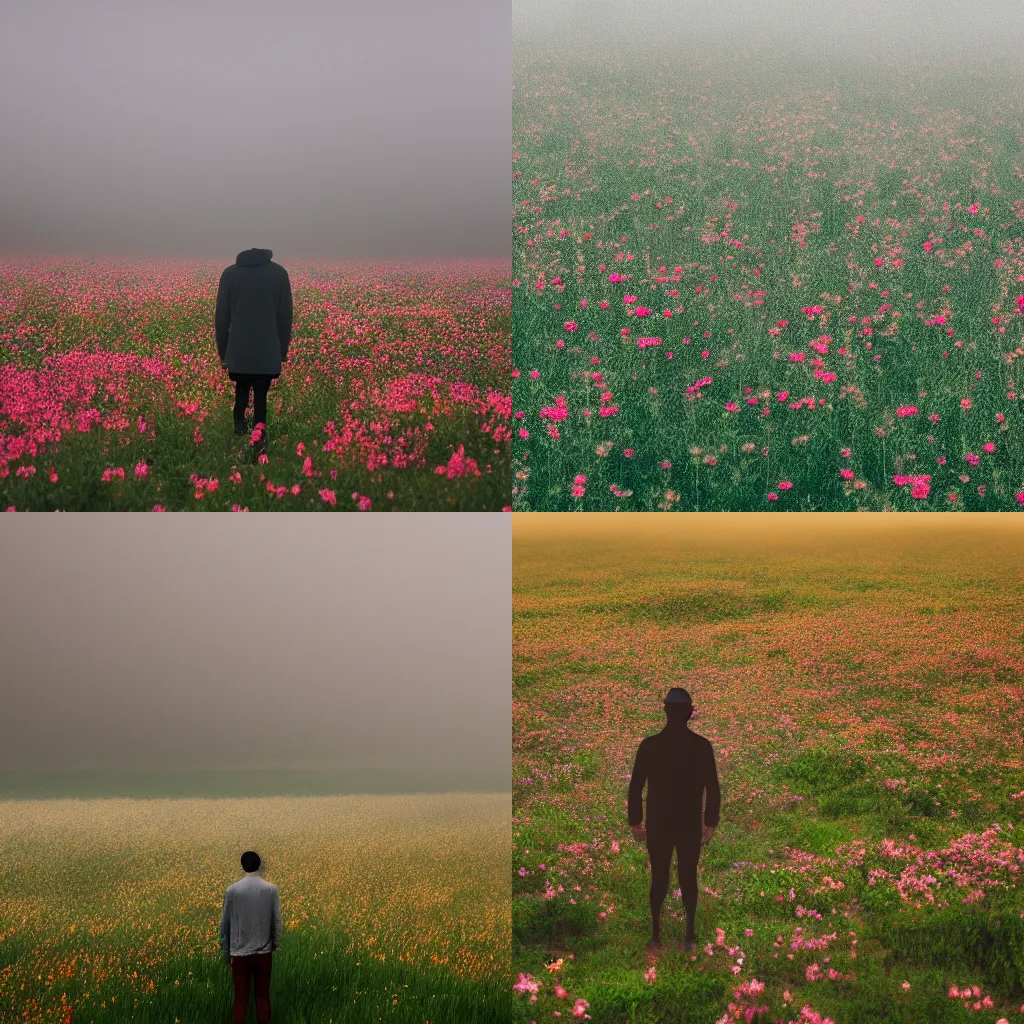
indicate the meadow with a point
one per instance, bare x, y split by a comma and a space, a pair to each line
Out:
395, 908
395, 396
776, 286
862, 682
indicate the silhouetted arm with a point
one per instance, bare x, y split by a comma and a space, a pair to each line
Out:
713, 807
635, 803
284, 317
276, 936
225, 926
222, 317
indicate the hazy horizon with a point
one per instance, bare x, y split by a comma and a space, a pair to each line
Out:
192, 655
860, 33
201, 129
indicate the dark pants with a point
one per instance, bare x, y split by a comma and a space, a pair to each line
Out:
259, 387
252, 970
660, 845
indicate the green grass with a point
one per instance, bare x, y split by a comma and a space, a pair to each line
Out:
792, 172
313, 979
867, 746
392, 908
119, 402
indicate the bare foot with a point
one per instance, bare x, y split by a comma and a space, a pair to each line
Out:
655, 946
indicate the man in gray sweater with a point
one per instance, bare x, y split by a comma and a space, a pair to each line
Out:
250, 931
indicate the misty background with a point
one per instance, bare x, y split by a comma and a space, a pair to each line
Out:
200, 128
745, 35
255, 655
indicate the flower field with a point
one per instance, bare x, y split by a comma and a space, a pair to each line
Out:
392, 908
862, 683
756, 293
395, 396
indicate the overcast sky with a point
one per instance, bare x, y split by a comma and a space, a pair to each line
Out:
381, 645
315, 128
937, 32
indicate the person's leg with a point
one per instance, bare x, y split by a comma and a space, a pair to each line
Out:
259, 401
240, 976
262, 986
660, 853
688, 854
241, 402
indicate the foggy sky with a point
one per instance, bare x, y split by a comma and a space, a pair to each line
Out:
856, 33
315, 128
174, 642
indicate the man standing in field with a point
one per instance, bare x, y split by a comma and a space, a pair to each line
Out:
250, 931
678, 766
253, 327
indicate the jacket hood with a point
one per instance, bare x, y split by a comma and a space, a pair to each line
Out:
253, 257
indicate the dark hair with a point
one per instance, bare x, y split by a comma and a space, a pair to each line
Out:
250, 861
678, 712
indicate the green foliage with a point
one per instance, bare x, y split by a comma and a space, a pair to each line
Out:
823, 770
553, 922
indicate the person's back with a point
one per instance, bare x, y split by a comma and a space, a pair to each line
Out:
254, 913
253, 329
250, 931
678, 766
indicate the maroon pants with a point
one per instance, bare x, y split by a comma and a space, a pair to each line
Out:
252, 970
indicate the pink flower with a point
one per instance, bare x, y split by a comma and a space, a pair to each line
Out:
526, 983
785, 485
772, 496
906, 410
141, 469
846, 474
459, 465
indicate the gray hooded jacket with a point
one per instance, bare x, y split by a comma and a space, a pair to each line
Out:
253, 319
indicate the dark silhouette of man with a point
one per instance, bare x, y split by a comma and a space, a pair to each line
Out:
678, 766
250, 931
253, 327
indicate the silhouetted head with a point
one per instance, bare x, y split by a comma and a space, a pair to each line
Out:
678, 706
250, 861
